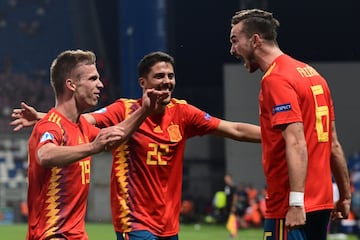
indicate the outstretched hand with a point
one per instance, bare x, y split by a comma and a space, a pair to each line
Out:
151, 98
26, 116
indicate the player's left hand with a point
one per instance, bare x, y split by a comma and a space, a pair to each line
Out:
341, 210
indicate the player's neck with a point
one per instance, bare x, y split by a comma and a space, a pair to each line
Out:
69, 110
267, 56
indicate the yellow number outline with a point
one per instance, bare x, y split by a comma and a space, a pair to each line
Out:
85, 171
157, 151
321, 112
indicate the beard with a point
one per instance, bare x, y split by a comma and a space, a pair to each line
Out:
250, 63
253, 67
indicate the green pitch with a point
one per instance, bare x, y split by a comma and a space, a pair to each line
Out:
99, 231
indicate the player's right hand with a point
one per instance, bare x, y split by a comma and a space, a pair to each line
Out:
26, 116
151, 98
108, 138
295, 217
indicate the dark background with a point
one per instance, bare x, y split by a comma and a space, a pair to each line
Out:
198, 33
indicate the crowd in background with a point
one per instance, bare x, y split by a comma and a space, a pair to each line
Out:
17, 87
29, 40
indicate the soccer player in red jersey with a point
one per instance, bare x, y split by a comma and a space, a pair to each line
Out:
146, 173
300, 147
146, 176
61, 144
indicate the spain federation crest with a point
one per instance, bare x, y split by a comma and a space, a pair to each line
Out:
174, 133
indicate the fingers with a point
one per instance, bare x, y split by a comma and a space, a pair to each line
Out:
114, 134
341, 210
17, 112
18, 128
157, 93
26, 107
295, 225
110, 137
336, 214
295, 217
111, 145
162, 96
157, 96
15, 122
18, 125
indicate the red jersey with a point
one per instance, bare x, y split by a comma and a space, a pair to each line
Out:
57, 196
292, 91
146, 176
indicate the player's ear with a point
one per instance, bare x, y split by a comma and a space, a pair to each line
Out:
142, 82
69, 83
256, 41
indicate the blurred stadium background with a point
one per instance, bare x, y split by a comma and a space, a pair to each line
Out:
120, 32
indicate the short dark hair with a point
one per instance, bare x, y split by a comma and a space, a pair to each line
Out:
149, 60
257, 21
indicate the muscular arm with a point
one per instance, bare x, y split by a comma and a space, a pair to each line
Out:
150, 98
297, 161
50, 154
341, 175
130, 124
339, 167
239, 131
296, 155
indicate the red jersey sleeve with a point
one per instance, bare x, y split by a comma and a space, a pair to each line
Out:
282, 100
49, 132
111, 114
198, 121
